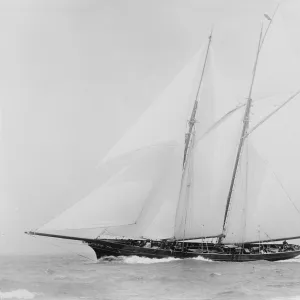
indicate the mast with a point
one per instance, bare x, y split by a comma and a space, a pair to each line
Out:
243, 135
189, 137
192, 119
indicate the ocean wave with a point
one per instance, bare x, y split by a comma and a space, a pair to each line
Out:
145, 260
17, 294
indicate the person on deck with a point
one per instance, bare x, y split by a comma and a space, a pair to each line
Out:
148, 244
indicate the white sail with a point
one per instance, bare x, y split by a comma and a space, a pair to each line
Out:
122, 199
137, 192
158, 216
165, 120
170, 114
212, 171
208, 173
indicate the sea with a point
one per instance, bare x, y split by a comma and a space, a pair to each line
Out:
70, 277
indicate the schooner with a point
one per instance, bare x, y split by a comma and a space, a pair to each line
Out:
195, 180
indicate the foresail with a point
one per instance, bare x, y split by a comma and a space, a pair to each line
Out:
165, 120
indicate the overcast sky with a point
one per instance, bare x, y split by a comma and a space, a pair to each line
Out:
76, 74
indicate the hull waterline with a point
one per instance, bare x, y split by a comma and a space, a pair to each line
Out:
107, 248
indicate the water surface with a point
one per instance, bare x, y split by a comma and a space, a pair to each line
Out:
73, 277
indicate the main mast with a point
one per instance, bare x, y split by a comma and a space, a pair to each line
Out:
243, 135
192, 119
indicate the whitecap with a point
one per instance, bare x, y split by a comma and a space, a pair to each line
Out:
201, 258
17, 294
146, 260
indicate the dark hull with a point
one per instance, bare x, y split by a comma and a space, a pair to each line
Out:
107, 248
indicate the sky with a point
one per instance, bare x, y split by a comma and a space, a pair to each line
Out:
76, 74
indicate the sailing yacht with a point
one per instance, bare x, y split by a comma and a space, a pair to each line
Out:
196, 177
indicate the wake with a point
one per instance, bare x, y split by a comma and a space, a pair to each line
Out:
145, 260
